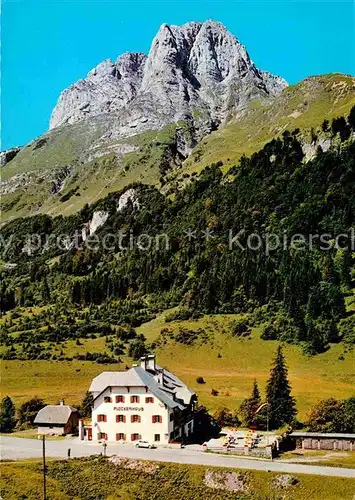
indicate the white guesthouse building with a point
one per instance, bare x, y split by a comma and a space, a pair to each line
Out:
146, 403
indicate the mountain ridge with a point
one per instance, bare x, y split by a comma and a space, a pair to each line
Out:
164, 143
191, 67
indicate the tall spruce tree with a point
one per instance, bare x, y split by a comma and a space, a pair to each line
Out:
86, 404
282, 406
249, 406
7, 415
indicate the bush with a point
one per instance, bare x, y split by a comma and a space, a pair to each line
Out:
225, 418
188, 337
7, 415
28, 411
331, 415
326, 416
347, 329
183, 313
281, 327
137, 349
240, 328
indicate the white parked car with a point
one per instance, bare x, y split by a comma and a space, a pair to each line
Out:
145, 444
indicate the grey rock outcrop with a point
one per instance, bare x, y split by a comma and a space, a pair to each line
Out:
128, 196
98, 219
8, 155
198, 72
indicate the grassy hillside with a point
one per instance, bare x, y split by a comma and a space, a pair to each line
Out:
85, 165
99, 478
90, 162
226, 363
302, 106
229, 365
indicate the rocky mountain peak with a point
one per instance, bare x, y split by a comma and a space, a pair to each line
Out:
197, 68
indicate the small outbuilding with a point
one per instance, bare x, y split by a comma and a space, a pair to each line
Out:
322, 441
57, 419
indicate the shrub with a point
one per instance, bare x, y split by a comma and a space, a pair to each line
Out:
137, 349
225, 418
183, 313
347, 329
7, 415
240, 328
28, 410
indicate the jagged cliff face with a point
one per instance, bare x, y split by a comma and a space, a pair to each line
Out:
197, 72
149, 118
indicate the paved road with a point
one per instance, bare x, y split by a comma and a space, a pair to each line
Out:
17, 448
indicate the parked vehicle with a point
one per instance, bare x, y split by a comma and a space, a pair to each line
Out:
145, 444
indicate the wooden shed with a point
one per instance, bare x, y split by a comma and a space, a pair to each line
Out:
323, 441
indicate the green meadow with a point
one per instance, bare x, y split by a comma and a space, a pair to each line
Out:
227, 364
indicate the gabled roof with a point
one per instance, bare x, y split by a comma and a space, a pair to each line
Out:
54, 414
115, 379
135, 377
173, 382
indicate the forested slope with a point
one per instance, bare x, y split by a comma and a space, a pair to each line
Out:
191, 255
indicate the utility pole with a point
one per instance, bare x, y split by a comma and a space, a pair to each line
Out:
44, 466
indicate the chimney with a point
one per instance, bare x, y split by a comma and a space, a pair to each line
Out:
144, 362
150, 362
61, 402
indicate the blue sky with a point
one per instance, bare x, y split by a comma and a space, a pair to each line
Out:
47, 45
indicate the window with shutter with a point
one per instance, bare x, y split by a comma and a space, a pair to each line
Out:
120, 418
119, 399
134, 399
135, 418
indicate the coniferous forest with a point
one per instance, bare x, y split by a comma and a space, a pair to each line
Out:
214, 251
